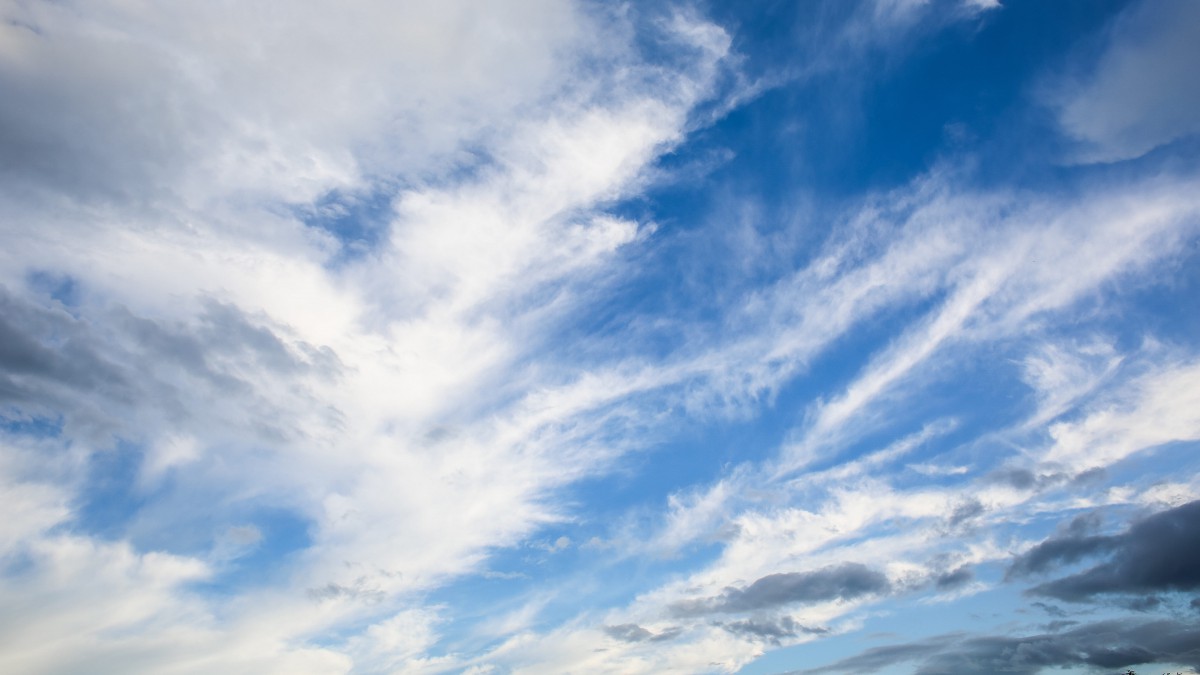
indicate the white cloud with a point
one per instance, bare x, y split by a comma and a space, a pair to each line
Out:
1063, 374
201, 101
1141, 93
1157, 408
159, 154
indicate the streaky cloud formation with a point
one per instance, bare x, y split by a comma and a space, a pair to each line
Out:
553, 336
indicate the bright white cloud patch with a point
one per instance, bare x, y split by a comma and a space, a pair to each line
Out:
382, 338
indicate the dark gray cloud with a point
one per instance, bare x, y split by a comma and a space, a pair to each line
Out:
53, 366
1022, 479
1052, 610
1158, 554
1107, 644
631, 632
845, 582
110, 373
48, 344
965, 512
122, 385
1075, 541
954, 579
628, 632
1084, 524
772, 630
1053, 553
1142, 603
1092, 476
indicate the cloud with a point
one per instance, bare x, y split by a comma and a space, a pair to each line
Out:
1138, 95
954, 579
1055, 552
1108, 644
1153, 409
1062, 374
1052, 610
202, 109
631, 632
772, 631
108, 373
1160, 553
842, 582
965, 512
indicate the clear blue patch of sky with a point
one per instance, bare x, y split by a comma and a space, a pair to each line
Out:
110, 497
972, 88
169, 515
1163, 305
358, 221
20, 423
966, 89
15, 563
269, 561
61, 287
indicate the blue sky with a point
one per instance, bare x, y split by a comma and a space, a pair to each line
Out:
540, 336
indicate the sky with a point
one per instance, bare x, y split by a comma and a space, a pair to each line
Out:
568, 336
